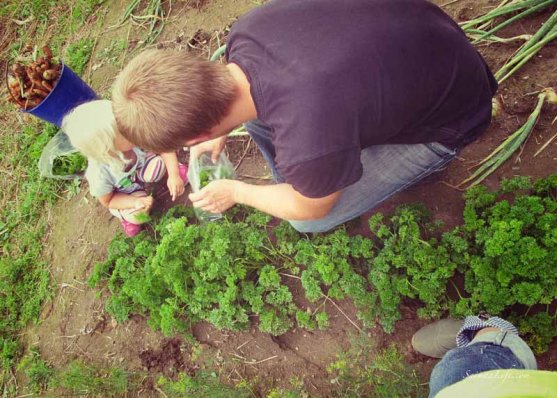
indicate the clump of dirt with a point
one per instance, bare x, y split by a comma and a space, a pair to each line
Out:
170, 359
201, 39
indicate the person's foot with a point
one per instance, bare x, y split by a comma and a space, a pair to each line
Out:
183, 170
130, 229
436, 339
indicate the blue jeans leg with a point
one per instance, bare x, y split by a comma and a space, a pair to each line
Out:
462, 362
262, 135
387, 169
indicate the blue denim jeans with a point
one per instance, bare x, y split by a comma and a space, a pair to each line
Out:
489, 351
387, 169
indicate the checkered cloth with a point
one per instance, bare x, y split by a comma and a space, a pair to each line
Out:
474, 323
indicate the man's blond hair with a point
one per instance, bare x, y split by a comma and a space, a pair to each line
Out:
163, 98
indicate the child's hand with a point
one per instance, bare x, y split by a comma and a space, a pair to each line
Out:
175, 185
145, 202
174, 182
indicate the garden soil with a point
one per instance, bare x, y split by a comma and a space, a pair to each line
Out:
74, 324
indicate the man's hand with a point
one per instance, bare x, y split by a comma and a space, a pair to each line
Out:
175, 185
217, 197
215, 146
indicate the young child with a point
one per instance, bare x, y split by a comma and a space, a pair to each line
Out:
117, 171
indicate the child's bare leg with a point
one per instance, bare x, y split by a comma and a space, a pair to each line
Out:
134, 216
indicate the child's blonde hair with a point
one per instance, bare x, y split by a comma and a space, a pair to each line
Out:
92, 130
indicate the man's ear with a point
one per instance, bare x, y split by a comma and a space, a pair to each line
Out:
206, 136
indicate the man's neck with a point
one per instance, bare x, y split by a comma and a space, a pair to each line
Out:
242, 109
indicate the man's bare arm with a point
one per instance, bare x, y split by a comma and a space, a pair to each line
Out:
279, 200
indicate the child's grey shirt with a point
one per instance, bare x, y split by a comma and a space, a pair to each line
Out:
104, 180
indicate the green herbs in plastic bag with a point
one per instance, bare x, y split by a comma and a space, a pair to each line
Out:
60, 160
202, 171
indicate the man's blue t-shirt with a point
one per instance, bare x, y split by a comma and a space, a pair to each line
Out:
333, 77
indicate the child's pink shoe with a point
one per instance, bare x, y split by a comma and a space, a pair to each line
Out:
130, 229
183, 170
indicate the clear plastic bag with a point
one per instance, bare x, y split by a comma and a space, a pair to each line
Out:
202, 171
60, 160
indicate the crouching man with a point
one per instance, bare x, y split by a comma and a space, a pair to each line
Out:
349, 102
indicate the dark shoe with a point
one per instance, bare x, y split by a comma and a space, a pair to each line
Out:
436, 339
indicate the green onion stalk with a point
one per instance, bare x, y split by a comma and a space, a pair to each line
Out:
509, 146
529, 7
509, 21
153, 14
546, 34
474, 34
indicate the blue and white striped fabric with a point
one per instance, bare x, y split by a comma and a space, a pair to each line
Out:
474, 323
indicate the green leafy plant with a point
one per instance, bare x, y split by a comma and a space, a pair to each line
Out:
408, 265
513, 246
331, 270
537, 330
73, 163
216, 272
224, 272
